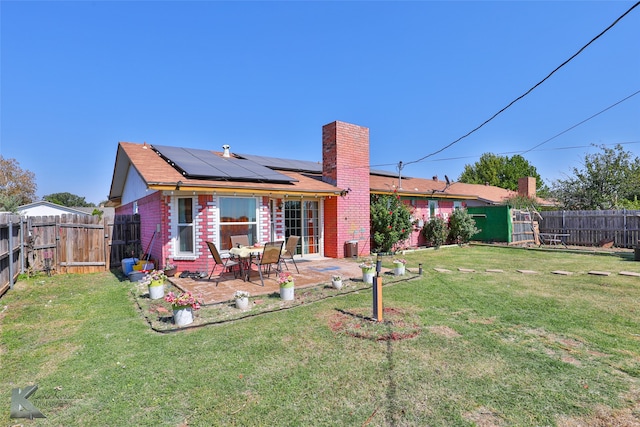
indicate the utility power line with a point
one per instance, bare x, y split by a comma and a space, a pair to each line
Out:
543, 142
401, 165
505, 153
583, 121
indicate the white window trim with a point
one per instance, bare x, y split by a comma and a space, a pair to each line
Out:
221, 224
435, 208
174, 229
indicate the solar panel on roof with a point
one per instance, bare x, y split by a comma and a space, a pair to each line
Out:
204, 164
381, 172
286, 164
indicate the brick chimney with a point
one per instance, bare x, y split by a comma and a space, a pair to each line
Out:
345, 164
527, 187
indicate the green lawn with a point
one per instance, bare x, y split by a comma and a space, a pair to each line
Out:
503, 349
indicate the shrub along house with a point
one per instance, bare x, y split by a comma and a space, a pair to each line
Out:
186, 197
428, 198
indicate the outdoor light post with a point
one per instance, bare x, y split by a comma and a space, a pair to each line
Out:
377, 292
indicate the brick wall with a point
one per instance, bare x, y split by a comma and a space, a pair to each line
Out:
527, 187
205, 225
150, 215
203, 222
445, 208
345, 159
279, 220
264, 220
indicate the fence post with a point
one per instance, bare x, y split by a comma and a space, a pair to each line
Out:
10, 253
105, 246
58, 267
22, 245
624, 228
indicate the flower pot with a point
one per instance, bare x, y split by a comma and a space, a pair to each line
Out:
136, 276
287, 294
398, 269
171, 272
337, 284
242, 303
367, 274
182, 315
156, 289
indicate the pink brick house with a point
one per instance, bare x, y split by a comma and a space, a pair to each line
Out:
186, 197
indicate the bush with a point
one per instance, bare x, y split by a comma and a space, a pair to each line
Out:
436, 231
390, 222
461, 226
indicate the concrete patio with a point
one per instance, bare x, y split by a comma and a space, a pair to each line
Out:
314, 271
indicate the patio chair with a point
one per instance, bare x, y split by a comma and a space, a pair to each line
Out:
270, 257
290, 251
227, 264
242, 240
238, 241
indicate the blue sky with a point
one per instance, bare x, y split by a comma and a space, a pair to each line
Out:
264, 77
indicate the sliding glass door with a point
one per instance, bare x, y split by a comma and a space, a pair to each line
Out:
302, 218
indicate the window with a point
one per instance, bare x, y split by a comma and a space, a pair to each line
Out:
433, 206
238, 216
186, 227
457, 205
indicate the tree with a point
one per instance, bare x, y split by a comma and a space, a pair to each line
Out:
68, 199
390, 222
17, 186
610, 179
9, 203
523, 202
501, 171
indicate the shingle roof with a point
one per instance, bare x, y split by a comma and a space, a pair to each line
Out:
439, 189
159, 174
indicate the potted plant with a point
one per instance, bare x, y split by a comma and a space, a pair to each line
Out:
285, 280
336, 281
242, 299
368, 270
170, 269
183, 306
154, 279
399, 265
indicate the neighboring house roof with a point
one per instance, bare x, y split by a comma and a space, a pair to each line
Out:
439, 189
43, 208
444, 190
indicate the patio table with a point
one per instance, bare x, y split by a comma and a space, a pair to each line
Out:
245, 255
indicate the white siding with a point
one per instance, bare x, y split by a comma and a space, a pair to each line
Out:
134, 187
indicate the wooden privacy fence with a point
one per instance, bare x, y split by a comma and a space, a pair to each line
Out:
590, 228
125, 238
69, 243
10, 250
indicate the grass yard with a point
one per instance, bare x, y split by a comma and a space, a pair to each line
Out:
464, 348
